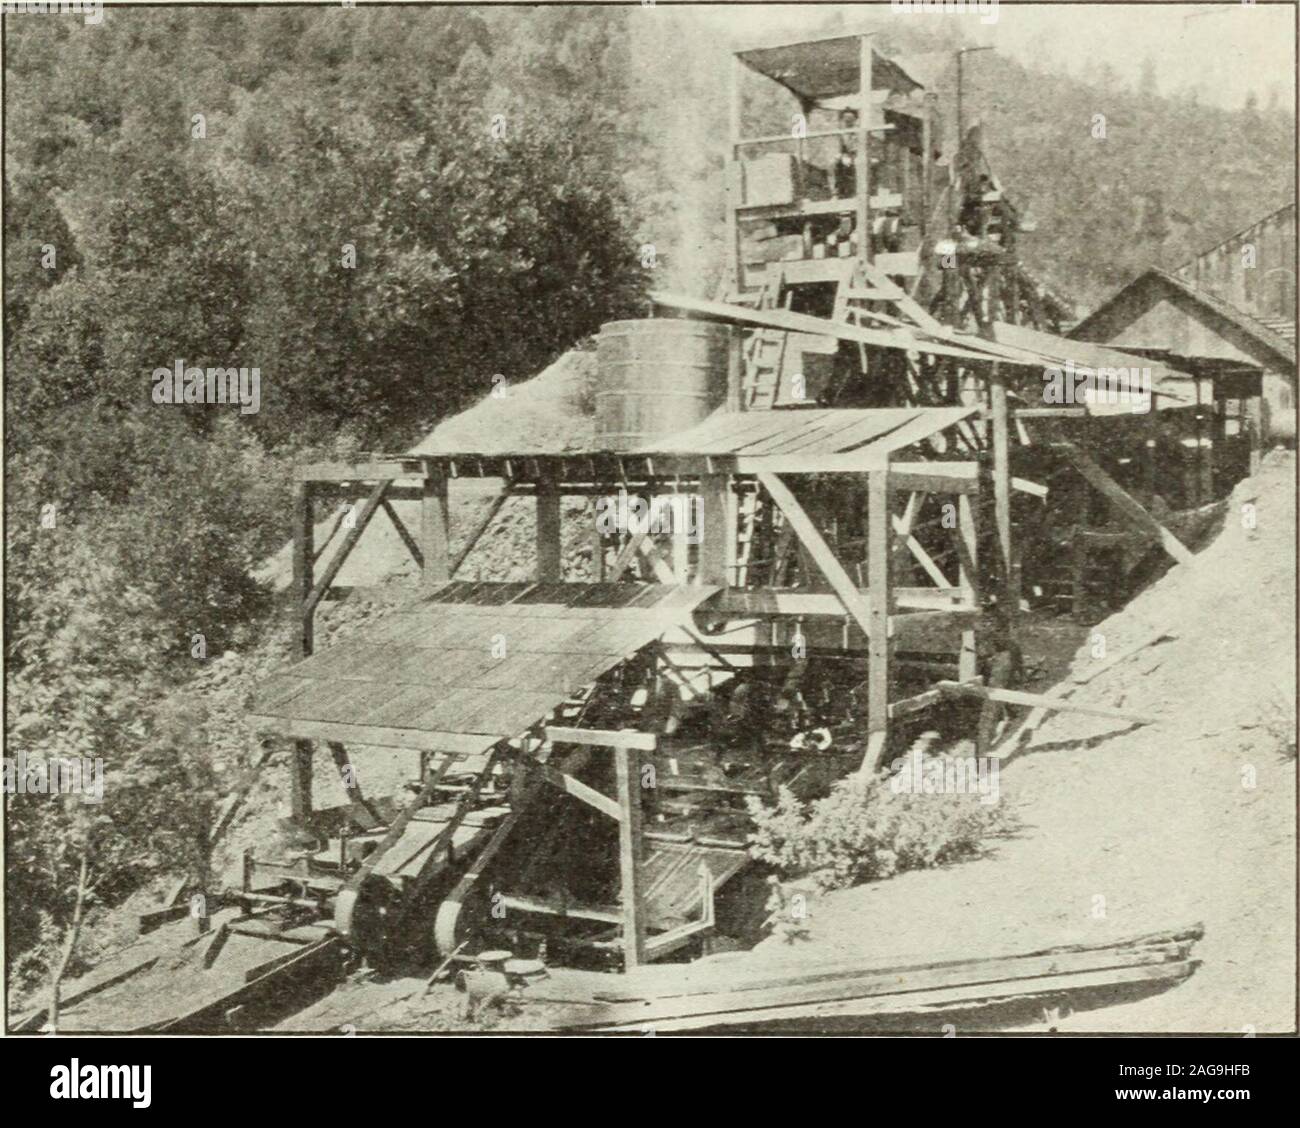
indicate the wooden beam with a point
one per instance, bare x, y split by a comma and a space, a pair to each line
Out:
476, 535
916, 340
841, 583
1042, 701
455, 742
662, 569
626, 555
922, 557
1039, 714
579, 790
968, 578
549, 566
717, 547
879, 646
304, 533
627, 768
1124, 504
561, 909
362, 814
404, 533
435, 528
344, 550
916, 704
884, 996
602, 738
903, 524
735, 275
1009, 600
373, 471
761, 603
707, 980
862, 185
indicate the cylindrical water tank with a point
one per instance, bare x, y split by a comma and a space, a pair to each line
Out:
657, 377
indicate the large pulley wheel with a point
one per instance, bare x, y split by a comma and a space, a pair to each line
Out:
367, 917
459, 921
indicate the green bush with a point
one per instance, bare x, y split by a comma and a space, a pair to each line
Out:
863, 831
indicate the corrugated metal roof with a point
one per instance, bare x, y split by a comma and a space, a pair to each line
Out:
473, 658
813, 432
1174, 387
823, 68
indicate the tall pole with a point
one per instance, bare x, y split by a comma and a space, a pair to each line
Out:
304, 555
862, 155
961, 127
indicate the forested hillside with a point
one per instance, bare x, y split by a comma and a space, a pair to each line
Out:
381, 210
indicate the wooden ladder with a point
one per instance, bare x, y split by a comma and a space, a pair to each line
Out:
765, 353
750, 518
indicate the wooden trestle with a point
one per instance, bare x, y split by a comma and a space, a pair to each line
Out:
844, 603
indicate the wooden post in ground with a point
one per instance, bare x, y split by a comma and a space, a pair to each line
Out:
548, 533
968, 555
627, 768
717, 549
1009, 595
880, 607
435, 527
304, 555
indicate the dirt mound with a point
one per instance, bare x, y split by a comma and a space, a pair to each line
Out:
1134, 829
554, 411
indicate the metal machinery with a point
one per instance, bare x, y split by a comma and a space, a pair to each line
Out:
587, 741
848, 464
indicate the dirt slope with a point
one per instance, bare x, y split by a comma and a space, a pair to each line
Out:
1133, 830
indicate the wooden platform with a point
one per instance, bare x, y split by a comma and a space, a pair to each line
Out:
470, 664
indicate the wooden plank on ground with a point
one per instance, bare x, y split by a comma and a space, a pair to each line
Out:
919, 1001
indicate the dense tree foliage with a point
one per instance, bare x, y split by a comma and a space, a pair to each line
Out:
380, 209
354, 202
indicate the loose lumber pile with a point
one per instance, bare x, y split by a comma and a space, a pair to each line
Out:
736, 993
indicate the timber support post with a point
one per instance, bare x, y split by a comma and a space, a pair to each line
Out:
717, 550
862, 150
968, 555
435, 527
879, 604
627, 768
549, 568
304, 554
1009, 591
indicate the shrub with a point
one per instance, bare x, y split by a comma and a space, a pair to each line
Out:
863, 831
